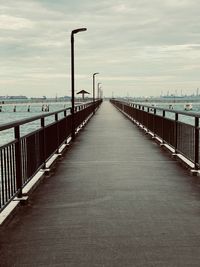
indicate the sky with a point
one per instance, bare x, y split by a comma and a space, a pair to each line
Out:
139, 48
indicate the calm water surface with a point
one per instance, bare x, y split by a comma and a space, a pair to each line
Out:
7, 115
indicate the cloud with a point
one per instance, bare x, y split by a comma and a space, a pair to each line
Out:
14, 23
139, 78
148, 44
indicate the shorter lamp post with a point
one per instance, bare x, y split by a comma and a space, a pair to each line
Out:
94, 74
101, 93
98, 88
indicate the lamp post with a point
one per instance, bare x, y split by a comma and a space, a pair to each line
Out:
72, 77
101, 93
94, 74
98, 88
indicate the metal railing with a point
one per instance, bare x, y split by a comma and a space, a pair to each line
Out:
25, 155
182, 134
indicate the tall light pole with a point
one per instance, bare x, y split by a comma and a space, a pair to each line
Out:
94, 74
72, 76
98, 88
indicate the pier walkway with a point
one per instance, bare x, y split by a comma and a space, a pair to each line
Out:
115, 199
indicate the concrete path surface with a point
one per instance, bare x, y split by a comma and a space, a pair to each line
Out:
116, 199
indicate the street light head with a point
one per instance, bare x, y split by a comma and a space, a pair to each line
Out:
79, 30
95, 73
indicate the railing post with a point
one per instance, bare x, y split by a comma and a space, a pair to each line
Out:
163, 130
18, 159
43, 148
73, 125
147, 120
57, 132
65, 115
154, 122
196, 159
142, 117
176, 133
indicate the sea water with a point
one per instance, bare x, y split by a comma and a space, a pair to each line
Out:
178, 107
7, 115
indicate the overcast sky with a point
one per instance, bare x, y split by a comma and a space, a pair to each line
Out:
139, 47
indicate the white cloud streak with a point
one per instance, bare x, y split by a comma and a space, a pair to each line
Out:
14, 23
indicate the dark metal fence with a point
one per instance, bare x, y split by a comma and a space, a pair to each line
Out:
181, 136
21, 158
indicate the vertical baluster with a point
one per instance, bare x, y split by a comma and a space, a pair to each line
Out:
148, 116
154, 122
43, 144
73, 123
57, 133
8, 171
143, 117
196, 160
18, 161
163, 123
5, 174
12, 168
23, 158
65, 116
2, 180
176, 133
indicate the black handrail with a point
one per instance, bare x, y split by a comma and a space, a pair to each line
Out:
21, 158
133, 104
181, 136
12, 124
9, 125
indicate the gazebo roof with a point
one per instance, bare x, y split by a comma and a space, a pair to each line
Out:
82, 92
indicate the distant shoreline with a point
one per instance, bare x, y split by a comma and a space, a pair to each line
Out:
33, 101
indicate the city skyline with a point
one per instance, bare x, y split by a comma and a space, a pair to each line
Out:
139, 48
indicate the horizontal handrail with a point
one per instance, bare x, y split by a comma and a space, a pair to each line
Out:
12, 124
9, 125
134, 104
181, 136
23, 157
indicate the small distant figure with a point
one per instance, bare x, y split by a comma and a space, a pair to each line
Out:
29, 108
14, 109
45, 108
170, 106
0, 108
188, 107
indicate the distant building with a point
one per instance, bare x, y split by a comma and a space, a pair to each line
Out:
17, 97
38, 98
13, 97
